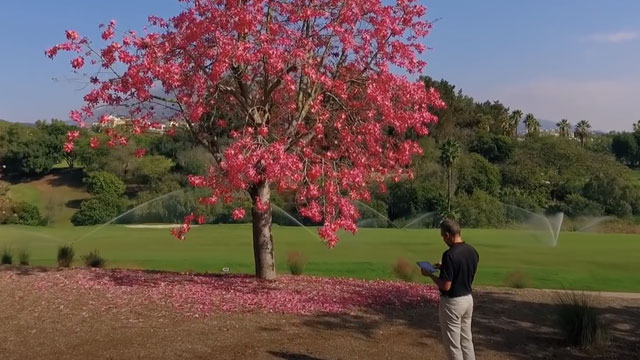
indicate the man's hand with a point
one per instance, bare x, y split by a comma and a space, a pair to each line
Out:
425, 272
437, 266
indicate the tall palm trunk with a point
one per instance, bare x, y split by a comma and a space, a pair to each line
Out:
449, 190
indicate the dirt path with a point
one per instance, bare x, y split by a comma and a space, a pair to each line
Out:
69, 323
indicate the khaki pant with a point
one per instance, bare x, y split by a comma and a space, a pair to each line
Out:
455, 324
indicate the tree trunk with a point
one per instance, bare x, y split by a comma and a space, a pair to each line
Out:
449, 191
262, 239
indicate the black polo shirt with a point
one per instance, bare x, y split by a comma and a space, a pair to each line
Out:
459, 265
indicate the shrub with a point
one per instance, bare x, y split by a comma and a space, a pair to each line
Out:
6, 258
65, 256
21, 213
296, 262
476, 173
480, 210
194, 161
495, 148
401, 200
97, 210
104, 183
4, 188
405, 270
432, 197
576, 205
23, 257
93, 259
579, 320
517, 279
152, 168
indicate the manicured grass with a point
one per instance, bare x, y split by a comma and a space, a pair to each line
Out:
64, 165
26, 192
585, 261
54, 194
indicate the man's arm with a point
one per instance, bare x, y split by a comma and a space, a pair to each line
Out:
446, 273
444, 285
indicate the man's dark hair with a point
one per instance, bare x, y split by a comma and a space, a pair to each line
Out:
450, 227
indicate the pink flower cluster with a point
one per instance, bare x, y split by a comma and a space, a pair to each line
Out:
201, 295
71, 137
300, 98
186, 226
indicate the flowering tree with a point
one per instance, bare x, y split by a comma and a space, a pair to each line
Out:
287, 95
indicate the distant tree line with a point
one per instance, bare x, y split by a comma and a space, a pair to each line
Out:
476, 161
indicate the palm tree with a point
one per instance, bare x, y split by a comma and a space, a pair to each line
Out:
532, 124
484, 122
582, 130
564, 127
636, 127
449, 153
505, 125
515, 118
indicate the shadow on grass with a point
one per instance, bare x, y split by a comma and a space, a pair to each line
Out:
56, 177
66, 177
502, 322
74, 204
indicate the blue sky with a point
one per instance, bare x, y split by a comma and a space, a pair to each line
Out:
574, 59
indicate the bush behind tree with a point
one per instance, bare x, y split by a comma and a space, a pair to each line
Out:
104, 183
97, 210
480, 210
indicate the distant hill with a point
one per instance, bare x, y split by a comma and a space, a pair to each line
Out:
6, 123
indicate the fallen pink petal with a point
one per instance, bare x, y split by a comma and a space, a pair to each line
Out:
205, 294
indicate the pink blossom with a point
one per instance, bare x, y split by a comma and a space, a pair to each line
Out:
51, 52
68, 147
238, 214
94, 143
306, 121
262, 206
78, 62
76, 116
110, 31
140, 152
73, 135
71, 35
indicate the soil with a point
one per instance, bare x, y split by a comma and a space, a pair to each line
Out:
63, 324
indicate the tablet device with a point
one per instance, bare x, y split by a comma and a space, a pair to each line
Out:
426, 266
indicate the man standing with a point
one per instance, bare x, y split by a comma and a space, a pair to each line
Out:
457, 271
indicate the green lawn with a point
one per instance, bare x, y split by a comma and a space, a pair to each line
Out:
26, 192
53, 194
586, 261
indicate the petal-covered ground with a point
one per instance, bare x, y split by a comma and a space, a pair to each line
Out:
127, 314
203, 294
